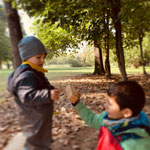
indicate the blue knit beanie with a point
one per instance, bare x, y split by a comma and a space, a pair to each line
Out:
30, 46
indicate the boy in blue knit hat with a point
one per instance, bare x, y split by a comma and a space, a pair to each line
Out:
33, 94
123, 126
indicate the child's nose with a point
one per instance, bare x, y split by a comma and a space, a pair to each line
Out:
42, 60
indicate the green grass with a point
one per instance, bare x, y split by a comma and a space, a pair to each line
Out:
3, 78
63, 71
131, 70
54, 72
60, 71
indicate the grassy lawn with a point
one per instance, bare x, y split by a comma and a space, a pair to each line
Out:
3, 78
54, 72
62, 71
131, 70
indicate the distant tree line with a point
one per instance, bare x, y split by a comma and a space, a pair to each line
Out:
111, 26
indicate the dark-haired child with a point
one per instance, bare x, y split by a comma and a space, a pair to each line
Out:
123, 125
33, 94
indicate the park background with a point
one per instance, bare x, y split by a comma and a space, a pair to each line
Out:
91, 44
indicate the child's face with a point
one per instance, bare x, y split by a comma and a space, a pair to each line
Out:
37, 59
113, 109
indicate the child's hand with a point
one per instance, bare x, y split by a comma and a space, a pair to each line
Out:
72, 95
55, 94
76, 98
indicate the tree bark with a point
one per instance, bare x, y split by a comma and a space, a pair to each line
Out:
120, 52
0, 64
115, 7
15, 32
141, 51
99, 68
107, 62
8, 65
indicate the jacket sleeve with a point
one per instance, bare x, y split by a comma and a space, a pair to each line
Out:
26, 90
91, 119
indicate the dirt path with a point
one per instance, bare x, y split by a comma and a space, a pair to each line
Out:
69, 131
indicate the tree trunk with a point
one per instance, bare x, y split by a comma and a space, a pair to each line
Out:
8, 65
15, 32
115, 7
107, 62
99, 68
141, 51
120, 52
0, 64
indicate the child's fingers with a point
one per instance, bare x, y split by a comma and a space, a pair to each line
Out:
77, 93
55, 94
58, 91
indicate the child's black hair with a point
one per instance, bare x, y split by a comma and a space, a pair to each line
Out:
128, 94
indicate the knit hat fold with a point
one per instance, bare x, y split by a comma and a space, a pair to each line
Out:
30, 46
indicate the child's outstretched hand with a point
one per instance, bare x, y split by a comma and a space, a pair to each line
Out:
55, 94
72, 95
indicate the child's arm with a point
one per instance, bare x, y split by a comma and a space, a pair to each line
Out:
26, 90
91, 119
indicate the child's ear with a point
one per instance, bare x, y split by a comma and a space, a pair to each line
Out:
127, 112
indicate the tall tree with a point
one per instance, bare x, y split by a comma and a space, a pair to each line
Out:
14, 31
138, 24
4, 42
116, 10
98, 69
76, 17
83, 19
141, 36
106, 38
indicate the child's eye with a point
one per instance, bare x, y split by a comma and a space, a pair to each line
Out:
38, 57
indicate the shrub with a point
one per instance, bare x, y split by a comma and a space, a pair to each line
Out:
75, 63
